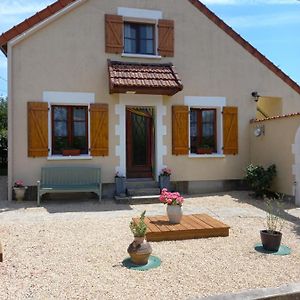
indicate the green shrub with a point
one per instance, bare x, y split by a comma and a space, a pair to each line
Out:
260, 179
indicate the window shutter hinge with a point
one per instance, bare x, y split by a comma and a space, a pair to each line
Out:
48, 149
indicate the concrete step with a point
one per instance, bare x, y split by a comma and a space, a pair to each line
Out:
137, 199
141, 183
143, 191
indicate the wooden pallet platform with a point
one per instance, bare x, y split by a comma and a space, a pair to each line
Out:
191, 227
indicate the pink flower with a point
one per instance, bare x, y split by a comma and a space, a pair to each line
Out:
170, 198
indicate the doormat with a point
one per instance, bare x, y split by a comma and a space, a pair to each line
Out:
283, 250
153, 262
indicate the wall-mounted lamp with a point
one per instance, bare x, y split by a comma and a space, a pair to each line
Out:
255, 95
259, 130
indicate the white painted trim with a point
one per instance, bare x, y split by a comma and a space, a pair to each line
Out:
61, 157
9, 125
196, 101
207, 156
209, 102
68, 98
141, 56
139, 13
160, 128
44, 23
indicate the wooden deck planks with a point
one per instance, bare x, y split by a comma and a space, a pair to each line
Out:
190, 227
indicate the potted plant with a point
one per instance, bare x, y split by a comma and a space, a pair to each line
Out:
19, 189
204, 149
164, 179
120, 185
70, 152
139, 250
174, 203
271, 237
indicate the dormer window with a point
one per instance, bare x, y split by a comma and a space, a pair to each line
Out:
139, 38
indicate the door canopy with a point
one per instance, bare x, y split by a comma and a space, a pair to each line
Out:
138, 78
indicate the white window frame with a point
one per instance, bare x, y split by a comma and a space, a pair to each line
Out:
143, 16
67, 99
208, 103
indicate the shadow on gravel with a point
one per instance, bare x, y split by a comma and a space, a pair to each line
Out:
55, 204
284, 213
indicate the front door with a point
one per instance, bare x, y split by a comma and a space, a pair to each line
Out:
139, 142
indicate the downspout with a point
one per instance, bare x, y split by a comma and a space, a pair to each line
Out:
10, 123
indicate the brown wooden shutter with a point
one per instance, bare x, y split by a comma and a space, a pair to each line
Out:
37, 113
230, 130
113, 34
166, 38
99, 129
180, 130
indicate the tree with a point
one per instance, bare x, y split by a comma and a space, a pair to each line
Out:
3, 122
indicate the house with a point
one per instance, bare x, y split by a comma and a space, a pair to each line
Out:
135, 86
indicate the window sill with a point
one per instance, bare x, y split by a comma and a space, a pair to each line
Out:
214, 155
141, 55
61, 157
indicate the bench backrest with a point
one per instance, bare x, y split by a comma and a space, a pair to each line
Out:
70, 175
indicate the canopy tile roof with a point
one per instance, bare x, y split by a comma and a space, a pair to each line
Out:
142, 78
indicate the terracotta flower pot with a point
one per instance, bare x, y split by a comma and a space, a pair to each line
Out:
270, 240
204, 150
174, 213
71, 152
139, 252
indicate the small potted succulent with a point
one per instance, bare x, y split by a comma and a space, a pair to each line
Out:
174, 203
19, 189
139, 250
271, 237
164, 178
120, 185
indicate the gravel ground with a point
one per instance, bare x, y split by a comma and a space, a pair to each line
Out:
75, 250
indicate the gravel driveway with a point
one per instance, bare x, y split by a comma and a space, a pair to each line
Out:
74, 251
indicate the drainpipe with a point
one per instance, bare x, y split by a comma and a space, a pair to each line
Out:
9, 123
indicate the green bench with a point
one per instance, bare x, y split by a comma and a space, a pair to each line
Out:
68, 180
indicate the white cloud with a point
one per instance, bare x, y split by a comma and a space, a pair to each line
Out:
249, 2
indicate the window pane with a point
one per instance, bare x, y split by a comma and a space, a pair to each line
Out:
60, 128
60, 113
60, 143
130, 46
79, 129
149, 47
208, 128
79, 114
80, 143
193, 131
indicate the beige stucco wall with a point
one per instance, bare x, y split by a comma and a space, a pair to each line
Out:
68, 55
270, 106
276, 147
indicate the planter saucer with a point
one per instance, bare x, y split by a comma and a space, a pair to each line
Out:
283, 250
153, 262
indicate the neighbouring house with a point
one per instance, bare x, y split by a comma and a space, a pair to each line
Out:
135, 86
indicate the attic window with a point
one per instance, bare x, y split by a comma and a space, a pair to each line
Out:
139, 38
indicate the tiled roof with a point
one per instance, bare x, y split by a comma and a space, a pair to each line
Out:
142, 78
60, 4
276, 117
30, 22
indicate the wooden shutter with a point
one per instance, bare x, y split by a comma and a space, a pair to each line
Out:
166, 38
113, 34
37, 113
99, 129
180, 130
230, 130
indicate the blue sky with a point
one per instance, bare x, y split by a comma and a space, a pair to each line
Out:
272, 26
